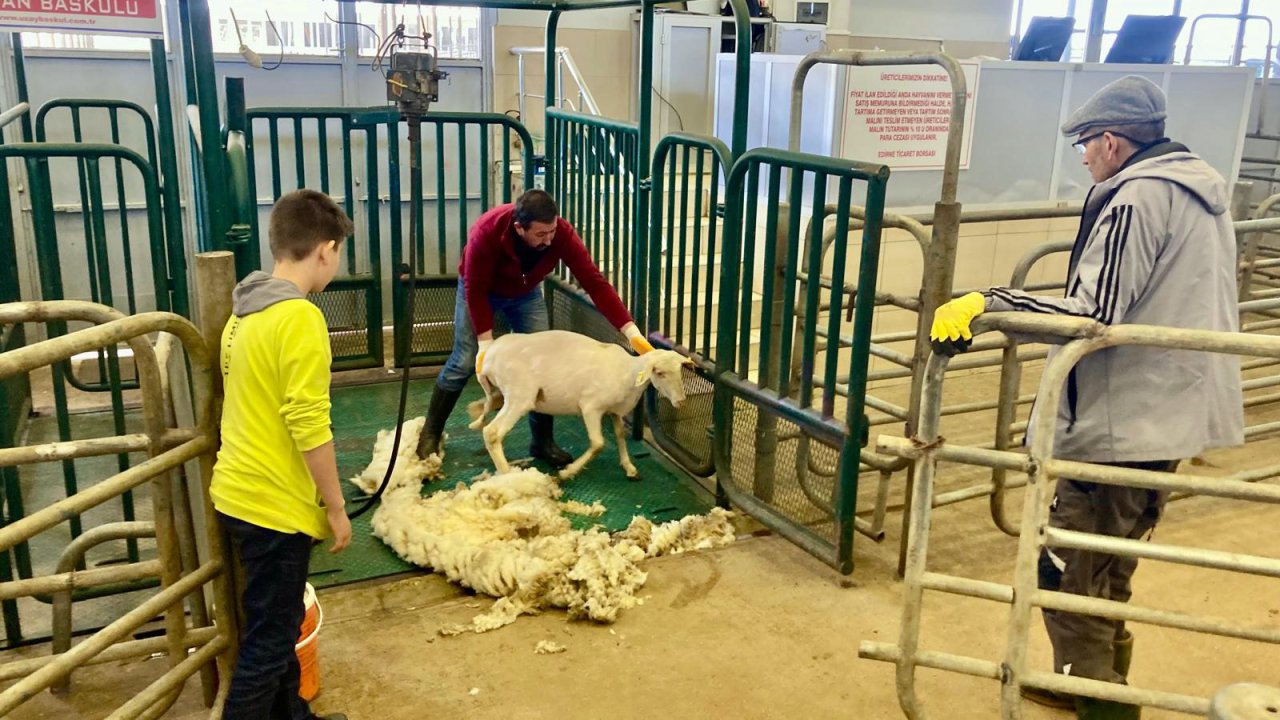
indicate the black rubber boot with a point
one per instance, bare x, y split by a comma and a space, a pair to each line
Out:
1095, 709
1049, 698
543, 446
442, 402
1122, 646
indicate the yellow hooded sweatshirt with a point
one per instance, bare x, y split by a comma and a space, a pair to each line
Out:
275, 369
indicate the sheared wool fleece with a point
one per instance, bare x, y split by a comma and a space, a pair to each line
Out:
506, 536
409, 467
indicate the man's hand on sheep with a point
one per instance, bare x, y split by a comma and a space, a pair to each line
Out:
638, 341
340, 524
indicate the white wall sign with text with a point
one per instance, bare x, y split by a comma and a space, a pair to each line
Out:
900, 115
123, 17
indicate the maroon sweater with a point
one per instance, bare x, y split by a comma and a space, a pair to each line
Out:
490, 266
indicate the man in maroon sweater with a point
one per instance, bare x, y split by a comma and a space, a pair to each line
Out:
510, 249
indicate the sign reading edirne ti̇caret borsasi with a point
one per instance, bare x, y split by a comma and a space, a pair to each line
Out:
122, 17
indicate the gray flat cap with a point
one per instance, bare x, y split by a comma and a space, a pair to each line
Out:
1128, 101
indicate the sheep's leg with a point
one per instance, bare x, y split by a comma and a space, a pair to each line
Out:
590, 418
620, 433
497, 430
480, 408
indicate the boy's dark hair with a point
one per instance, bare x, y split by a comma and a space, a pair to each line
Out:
304, 219
535, 206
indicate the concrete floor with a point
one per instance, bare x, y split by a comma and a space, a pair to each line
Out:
758, 629
755, 630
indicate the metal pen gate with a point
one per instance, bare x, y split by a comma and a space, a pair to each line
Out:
109, 259
773, 423
320, 139
352, 304
684, 273
593, 166
427, 336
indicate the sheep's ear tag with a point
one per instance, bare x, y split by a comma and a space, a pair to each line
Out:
642, 377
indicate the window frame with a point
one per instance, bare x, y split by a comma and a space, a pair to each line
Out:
347, 12
1083, 26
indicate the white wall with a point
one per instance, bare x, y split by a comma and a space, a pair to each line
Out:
966, 20
608, 19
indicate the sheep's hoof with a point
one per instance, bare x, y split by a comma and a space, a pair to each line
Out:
632, 474
478, 424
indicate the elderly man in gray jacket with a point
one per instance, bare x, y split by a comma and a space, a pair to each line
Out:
1155, 247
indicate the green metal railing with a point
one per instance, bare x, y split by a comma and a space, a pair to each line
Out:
89, 159
425, 336
353, 302
471, 168
682, 280
592, 173
100, 234
765, 413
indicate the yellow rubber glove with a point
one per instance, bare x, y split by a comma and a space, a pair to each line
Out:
637, 340
950, 331
482, 347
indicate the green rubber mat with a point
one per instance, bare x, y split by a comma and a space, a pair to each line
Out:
663, 493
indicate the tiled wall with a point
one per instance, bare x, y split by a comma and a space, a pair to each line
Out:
602, 56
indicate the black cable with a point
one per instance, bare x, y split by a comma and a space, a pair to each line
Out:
679, 119
279, 38
376, 37
415, 140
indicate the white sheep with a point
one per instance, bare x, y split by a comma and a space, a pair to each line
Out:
563, 373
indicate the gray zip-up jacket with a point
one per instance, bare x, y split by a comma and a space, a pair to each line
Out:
1155, 247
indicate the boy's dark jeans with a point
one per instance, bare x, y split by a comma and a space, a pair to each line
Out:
265, 684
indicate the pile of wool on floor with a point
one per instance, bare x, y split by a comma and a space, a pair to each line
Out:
506, 536
409, 467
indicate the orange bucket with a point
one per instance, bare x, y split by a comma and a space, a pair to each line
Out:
308, 640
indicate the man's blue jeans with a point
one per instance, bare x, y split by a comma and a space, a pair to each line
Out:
525, 314
265, 683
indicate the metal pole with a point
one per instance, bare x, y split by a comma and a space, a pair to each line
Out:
1097, 25
741, 76
548, 100
215, 279
1238, 50
217, 215
20, 79
175, 244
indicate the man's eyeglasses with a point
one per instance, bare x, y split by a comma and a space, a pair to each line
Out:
1080, 144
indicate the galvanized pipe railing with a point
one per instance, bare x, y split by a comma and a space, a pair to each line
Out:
14, 113
941, 250
1242, 19
1014, 355
564, 60
169, 448
928, 448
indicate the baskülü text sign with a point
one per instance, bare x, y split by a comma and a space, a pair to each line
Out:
122, 17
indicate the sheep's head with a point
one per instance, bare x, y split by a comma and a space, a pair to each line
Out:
664, 369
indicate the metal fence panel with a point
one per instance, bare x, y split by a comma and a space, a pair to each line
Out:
592, 173
683, 277
340, 151
789, 375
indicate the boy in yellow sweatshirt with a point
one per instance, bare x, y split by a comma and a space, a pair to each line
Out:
275, 483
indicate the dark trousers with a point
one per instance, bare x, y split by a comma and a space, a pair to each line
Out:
265, 683
1082, 644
